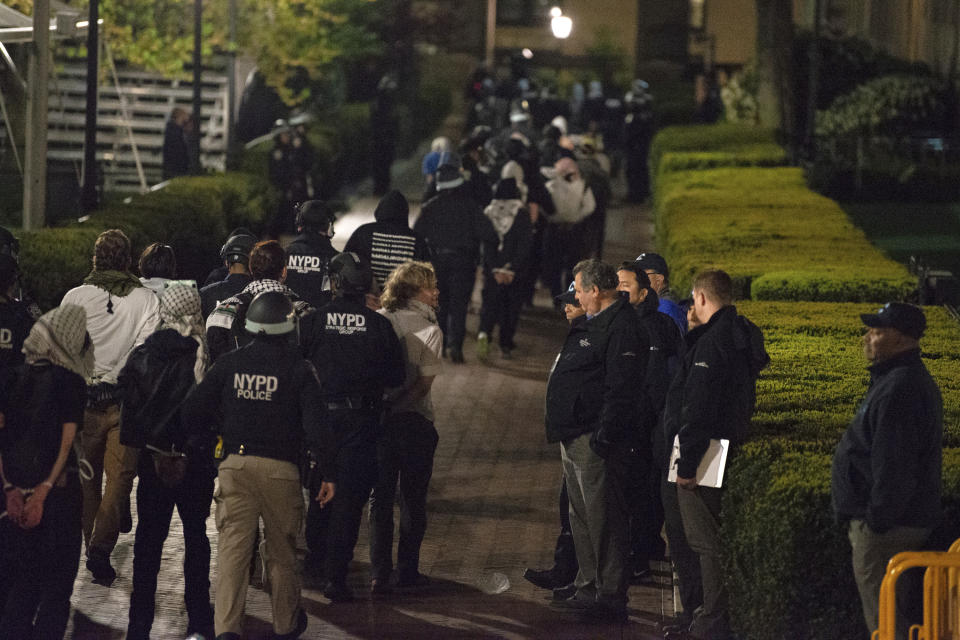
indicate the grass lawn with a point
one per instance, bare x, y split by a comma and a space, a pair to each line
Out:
930, 231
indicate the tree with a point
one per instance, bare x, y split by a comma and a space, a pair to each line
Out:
294, 42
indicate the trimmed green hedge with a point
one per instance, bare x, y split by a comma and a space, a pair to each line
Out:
193, 215
817, 371
788, 562
728, 138
778, 239
755, 155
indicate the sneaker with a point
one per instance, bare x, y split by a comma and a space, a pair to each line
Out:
483, 345
298, 629
338, 592
545, 579
98, 563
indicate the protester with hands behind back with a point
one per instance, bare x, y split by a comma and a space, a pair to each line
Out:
40, 415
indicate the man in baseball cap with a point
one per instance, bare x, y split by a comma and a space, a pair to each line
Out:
656, 269
886, 470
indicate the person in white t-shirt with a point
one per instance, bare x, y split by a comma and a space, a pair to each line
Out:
405, 451
121, 314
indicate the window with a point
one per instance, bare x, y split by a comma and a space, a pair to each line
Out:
525, 13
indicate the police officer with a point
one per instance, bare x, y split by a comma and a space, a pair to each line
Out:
357, 355
266, 398
309, 255
15, 319
235, 255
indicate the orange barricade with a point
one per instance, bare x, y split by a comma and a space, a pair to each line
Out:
941, 594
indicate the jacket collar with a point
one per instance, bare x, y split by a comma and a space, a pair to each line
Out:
602, 320
422, 309
721, 315
904, 359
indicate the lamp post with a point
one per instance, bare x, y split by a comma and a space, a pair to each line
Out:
491, 39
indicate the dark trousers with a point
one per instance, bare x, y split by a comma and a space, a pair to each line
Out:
562, 249
455, 279
646, 513
565, 564
685, 560
501, 305
332, 532
45, 560
155, 504
405, 453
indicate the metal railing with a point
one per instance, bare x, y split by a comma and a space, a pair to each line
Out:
941, 594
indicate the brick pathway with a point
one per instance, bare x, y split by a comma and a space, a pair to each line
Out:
492, 509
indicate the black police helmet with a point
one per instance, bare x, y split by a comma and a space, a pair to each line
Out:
349, 273
237, 248
9, 245
315, 215
271, 313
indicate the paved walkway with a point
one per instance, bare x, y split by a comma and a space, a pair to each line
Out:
492, 509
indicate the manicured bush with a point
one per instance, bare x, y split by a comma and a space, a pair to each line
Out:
817, 371
757, 221
192, 215
788, 562
729, 138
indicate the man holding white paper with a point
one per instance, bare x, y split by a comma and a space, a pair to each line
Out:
711, 399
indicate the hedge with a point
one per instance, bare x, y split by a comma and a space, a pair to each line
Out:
817, 372
787, 561
731, 139
193, 215
778, 239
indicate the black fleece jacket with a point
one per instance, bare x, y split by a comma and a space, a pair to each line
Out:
593, 385
712, 395
389, 241
886, 469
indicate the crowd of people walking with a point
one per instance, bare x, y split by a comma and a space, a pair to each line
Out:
294, 389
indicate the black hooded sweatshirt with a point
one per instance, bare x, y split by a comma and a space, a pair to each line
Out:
389, 241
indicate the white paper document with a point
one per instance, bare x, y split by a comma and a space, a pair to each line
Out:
712, 466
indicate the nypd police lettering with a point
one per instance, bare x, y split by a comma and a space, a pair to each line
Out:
305, 264
254, 386
346, 323
6, 339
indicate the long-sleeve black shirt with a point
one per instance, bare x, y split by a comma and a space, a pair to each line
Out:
266, 398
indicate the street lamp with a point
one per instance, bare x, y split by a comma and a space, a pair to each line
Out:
561, 26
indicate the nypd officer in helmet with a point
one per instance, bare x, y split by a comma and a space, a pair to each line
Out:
357, 355
267, 399
235, 255
309, 255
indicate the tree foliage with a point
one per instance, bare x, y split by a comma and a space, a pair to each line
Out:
294, 42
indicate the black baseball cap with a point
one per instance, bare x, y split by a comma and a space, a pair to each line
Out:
654, 262
906, 318
569, 296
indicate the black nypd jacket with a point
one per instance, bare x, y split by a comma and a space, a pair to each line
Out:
712, 395
453, 224
886, 469
389, 241
308, 266
213, 294
355, 350
264, 399
593, 385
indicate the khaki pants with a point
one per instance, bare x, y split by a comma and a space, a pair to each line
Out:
871, 553
105, 508
251, 488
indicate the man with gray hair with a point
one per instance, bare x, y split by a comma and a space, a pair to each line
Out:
592, 411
